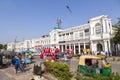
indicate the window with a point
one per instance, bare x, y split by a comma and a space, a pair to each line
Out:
76, 35
54, 37
67, 33
81, 34
86, 32
98, 28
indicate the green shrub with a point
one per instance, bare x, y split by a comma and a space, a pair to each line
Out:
112, 76
75, 55
60, 70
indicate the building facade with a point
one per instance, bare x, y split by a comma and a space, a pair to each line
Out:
96, 35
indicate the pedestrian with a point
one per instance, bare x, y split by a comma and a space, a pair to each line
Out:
13, 60
53, 58
23, 64
27, 60
19, 55
109, 53
106, 53
17, 64
41, 58
65, 56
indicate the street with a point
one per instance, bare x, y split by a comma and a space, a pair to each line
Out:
74, 65
8, 73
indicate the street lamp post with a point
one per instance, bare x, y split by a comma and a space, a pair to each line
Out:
14, 45
71, 31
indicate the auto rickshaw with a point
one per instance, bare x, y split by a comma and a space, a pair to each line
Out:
94, 64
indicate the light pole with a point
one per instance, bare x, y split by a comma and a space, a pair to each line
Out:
14, 47
71, 33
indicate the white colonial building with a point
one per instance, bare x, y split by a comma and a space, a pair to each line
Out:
95, 35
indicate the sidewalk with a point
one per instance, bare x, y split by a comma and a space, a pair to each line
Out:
9, 72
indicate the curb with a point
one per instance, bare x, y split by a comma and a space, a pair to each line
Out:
49, 77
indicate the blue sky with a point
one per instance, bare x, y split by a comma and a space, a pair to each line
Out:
29, 19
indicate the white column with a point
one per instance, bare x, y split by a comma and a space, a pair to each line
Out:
83, 34
105, 46
104, 29
92, 47
74, 49
79, 48
69, 46
65, 46
109, 45
84, 46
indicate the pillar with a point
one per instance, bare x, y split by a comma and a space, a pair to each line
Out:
79, 48
105, 46
65, 47
84, 46
74, 49
109, 46
92, 47
69, 46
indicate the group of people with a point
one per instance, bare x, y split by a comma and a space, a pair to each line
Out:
43, 57
53, 57
19, 63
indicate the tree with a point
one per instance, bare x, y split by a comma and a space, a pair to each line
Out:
116, 38
1, 46
5, 46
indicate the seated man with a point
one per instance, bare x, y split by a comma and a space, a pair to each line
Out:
88, 65
99, 68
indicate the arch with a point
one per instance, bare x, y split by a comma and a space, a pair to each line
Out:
97, 24
99, 47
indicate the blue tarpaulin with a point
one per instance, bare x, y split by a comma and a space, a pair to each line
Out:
27, 51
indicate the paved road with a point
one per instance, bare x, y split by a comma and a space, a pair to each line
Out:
116, 67
74, 65
5, 76
8, 73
